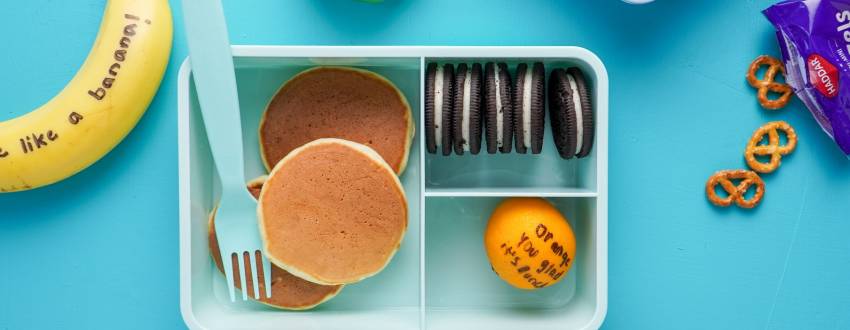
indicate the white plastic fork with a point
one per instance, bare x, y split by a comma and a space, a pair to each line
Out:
212, 69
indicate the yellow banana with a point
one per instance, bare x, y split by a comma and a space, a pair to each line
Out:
100, 105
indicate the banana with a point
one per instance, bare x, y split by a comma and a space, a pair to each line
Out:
98, 107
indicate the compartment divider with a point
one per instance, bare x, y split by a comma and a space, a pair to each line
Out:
420, 130
509, 193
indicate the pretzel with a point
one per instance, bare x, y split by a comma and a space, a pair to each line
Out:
773, 148
768, 84
736, 193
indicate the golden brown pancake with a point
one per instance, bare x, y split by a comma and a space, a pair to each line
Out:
256, 185
332, 212
288, 291
337, 102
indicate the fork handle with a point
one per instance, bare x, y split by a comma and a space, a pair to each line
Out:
215, 81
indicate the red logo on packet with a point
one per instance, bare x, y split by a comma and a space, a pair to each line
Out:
823, 75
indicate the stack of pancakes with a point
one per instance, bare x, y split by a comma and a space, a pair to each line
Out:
332, 210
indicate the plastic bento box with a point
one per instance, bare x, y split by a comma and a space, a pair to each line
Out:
440, 278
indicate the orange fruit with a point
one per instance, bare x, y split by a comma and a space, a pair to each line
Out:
529, 243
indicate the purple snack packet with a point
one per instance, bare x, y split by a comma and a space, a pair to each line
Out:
814, 37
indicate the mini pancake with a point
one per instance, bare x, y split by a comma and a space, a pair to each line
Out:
255, 186
288, 291
332, 212
338, 102
529, 107
571, 113
497, 107
467, 109
439, 88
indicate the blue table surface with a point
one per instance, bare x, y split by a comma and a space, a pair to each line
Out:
100, 250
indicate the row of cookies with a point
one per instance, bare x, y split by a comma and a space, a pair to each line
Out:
332, 210
461, 104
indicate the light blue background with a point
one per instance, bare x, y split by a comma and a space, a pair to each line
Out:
100, 251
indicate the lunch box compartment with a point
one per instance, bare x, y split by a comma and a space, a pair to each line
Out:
459, 283
514, 172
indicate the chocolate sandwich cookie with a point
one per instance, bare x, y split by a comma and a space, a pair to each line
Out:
529, 107
467, 109
571, 113
497, 107
439, 87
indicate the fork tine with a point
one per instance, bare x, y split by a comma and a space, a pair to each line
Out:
254, 274
242, 277
227, 264
267, 274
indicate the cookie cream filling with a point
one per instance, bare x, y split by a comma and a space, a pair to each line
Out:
464, 124
577, 106
438, 105
499, 117
526, 109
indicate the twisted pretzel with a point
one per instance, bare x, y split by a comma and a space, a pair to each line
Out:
773, 148
768, 84
736, 193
